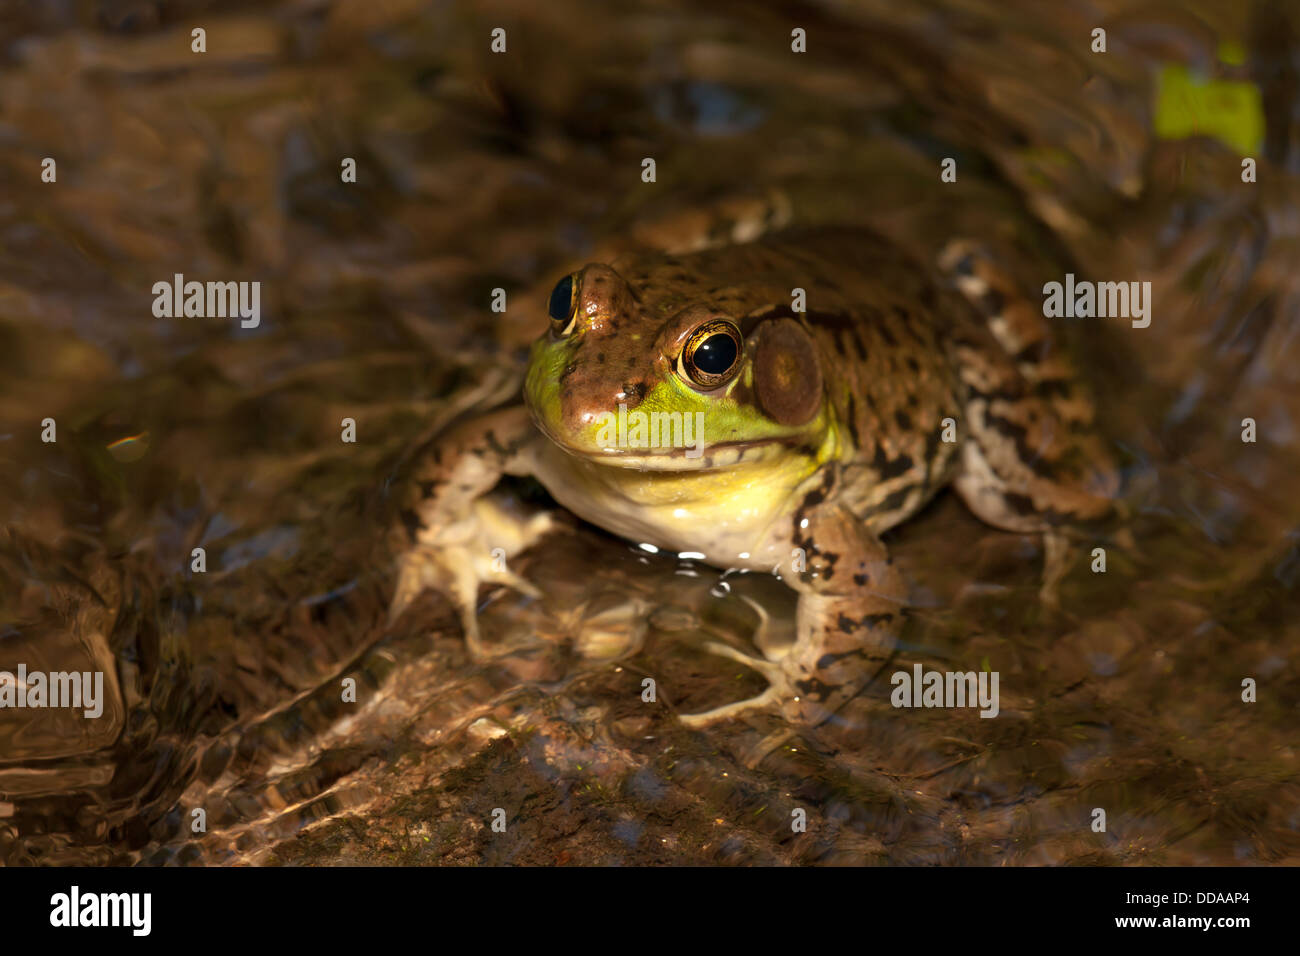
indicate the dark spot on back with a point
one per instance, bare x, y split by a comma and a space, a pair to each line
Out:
894, 501
890, 467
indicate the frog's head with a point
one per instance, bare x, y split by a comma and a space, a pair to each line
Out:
623, 383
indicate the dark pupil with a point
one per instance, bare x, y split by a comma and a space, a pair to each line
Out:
561, 299
716, 354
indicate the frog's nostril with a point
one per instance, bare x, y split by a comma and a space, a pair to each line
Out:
632, 393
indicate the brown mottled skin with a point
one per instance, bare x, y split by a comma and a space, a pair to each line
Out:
835, 423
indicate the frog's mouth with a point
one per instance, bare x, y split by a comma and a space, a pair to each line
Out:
709, 458
625, 452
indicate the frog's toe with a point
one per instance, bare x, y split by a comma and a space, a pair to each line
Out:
765, 701
455, 557
451, 572
1058, 554
770, 699
512, 580
773, 700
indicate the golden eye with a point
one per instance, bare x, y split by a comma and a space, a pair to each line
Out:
561, 306
712, 354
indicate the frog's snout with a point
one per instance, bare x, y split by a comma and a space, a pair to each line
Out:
583, 407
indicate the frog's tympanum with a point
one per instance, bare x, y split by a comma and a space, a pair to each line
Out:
822, 427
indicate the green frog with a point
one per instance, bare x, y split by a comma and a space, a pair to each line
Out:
773, 405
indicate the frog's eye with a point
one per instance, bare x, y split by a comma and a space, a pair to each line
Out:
560, 306
712, 354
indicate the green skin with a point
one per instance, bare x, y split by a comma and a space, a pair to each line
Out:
834, 424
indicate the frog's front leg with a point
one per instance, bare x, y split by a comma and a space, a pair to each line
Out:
453, 538
850, 607
851, 602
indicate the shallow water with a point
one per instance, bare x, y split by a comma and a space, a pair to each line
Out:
224, 688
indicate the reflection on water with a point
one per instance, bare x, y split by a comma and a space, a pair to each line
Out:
263, 685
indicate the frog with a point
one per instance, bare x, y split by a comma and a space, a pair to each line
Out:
837, 383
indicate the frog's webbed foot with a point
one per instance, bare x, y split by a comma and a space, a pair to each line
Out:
456, 537
457, 558
777, 690
778, 686
844, 641
850, 605
811, 682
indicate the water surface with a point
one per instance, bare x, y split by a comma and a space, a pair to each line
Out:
476, 171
